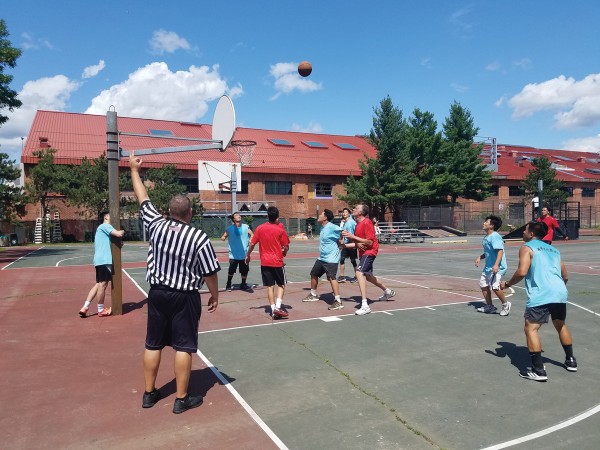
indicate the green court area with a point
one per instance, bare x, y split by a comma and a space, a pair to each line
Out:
422, 371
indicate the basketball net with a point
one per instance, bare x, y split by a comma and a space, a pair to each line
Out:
244, 150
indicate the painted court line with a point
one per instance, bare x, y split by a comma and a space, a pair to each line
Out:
560, 426
22, 257
243, 403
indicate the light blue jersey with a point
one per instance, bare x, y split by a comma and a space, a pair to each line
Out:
102, 254
544, 283
329, 238
238, 241
492, 243
349, 226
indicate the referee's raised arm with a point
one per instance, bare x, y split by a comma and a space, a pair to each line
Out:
138, 186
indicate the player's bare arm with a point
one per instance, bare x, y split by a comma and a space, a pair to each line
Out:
138, 186
525, 257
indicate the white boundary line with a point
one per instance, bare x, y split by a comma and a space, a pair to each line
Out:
559, 426
243, 403
22, 257
230, 388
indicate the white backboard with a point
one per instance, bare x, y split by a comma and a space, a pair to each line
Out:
212, 173
223, 127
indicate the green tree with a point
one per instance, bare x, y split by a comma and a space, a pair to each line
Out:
87, 187
165, 185
46, 179
11, 196
8, 57
462, 172
542, 170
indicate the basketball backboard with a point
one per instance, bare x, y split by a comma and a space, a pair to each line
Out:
223, 127
213, 173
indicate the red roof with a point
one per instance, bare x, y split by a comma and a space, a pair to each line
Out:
76, 136
515, 161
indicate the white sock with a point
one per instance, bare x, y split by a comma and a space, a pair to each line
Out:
87, 304
100, 307
338, 298
387, 291
313, 292
278, 303
365, 302
273, 307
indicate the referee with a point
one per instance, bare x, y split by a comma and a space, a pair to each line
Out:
180, 259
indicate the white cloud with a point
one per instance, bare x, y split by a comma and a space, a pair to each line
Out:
167, 41
588, 144
493, 66
458, 87
50, 93
288, 80
312, 127
523, 63
154, 91
462, 26
577, 102
426, 62
32, 43
92, 71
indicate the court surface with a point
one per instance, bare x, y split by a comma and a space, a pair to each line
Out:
422, 371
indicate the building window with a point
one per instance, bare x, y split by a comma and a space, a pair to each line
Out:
589, 192
516, 191
243, 189
278, 187
568, 190
191, 184
494, 189
323, 189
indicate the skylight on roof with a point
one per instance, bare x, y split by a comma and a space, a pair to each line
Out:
314, 144
345, 146
161, 132
592, 170
563, 158
282, 142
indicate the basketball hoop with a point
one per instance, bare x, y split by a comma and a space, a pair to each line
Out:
244, 149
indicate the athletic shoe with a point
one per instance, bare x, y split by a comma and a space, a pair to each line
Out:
571, 364
150, 398
228, 288
311, 298
335, 305
505, 309
341, 279
280, 314
385, 297
534, 374
351, 279
362, 311
188, 402
105, 312
487, 309
83, 312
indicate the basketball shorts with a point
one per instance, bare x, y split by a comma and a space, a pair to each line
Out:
321, 267
104, 273
540, 314
365, 265
272, 276
490, 280
235, 263
173, 319
348, 253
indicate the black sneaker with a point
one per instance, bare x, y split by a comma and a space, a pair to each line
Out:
188, 402
534, 374
571, 364
228, 288
150, 398
244, 287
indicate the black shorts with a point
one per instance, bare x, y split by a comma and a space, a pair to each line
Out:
540, 314
322, 267
233, 265
173, 319
272, 276
104, 273
365, 265
348, 253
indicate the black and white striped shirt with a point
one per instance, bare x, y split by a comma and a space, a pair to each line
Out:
179, 255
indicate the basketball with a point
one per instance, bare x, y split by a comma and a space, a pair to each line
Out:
304, 69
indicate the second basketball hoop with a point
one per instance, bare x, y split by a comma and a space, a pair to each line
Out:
244, 149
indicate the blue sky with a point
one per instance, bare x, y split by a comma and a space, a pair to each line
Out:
528, 71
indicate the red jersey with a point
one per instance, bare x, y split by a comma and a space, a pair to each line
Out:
271, 237
365, 230
552, 224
